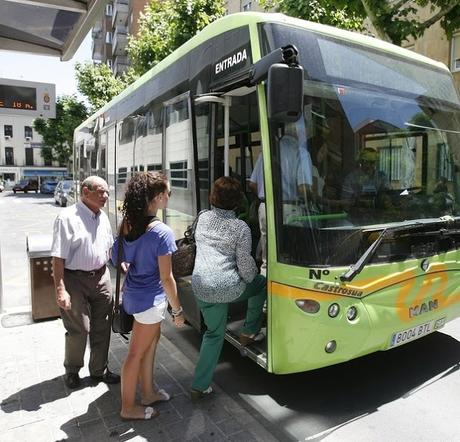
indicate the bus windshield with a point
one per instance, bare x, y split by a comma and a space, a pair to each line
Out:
379, 144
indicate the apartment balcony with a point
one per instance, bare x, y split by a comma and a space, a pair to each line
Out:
98, 42
96, 32
119, 65
97, 49
120, 41
120, 12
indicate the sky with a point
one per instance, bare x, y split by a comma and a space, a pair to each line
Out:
46, 69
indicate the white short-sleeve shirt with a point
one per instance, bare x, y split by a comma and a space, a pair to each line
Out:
257, 176
82, 238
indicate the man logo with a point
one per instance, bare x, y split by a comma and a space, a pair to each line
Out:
425, 307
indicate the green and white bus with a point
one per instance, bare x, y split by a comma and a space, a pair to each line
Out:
370, 258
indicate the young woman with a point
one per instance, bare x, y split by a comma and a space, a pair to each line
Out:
147, 248
224, 242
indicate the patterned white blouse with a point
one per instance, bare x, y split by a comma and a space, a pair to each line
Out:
223, 264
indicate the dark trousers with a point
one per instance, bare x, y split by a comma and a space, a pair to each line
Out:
90, 315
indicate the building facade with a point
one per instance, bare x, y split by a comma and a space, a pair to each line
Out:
435, 44
20, 145
110, 33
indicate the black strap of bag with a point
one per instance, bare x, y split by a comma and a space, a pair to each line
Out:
119, 258
189, 234
116, 306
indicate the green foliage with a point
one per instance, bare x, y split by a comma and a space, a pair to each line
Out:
165, 25
98, 84
394, 20
57, 133
327, 12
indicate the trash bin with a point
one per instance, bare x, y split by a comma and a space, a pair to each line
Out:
41, 277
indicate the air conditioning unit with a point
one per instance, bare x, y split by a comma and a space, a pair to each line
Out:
7, 137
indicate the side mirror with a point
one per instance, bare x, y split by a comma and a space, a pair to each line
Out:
285, 93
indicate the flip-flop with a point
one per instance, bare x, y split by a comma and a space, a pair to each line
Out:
165, 397
149, 413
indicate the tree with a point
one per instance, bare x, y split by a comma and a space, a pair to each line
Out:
319, 11
393, 20
57, 133
165, 25
98, 84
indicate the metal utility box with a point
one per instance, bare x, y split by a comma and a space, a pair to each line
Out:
41, 277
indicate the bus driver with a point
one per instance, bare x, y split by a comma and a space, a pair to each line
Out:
361, 186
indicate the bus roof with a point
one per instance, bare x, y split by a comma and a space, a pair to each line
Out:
237, 20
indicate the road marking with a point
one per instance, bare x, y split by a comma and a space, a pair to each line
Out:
331, 430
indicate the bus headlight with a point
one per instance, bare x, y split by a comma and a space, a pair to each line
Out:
333, 310
308, 305
352, 313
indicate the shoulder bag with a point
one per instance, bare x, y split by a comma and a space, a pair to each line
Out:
122, 322
183, 259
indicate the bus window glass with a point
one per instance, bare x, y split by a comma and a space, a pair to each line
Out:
178, 163
203, 137
124, 163
244, 140
372, 150
111, 177
150, 145
101, 160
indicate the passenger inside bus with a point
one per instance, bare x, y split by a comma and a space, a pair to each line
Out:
361, 187
326, 186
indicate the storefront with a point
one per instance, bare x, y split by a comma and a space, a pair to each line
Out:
43, 174
9, 174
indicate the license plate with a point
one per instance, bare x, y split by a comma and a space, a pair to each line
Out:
416, 332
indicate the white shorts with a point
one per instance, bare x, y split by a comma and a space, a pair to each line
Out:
152, 315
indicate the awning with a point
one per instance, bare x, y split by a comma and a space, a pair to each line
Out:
43, 172
48, 27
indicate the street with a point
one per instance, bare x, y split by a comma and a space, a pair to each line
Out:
407, 394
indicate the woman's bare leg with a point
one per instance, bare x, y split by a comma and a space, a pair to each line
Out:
142, 338
146, 372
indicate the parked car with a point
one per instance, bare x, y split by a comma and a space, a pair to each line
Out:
48, 187
63, 194
2, 187
26, 186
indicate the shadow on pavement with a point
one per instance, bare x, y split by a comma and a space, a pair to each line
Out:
337, 394
101, 421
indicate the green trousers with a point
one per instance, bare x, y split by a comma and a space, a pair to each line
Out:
215, 318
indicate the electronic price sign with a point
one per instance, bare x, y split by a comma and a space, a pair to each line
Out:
27, 98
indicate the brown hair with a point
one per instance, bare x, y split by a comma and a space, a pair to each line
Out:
226, 193
142, 188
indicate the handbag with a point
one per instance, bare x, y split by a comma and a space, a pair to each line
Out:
122, 322
183, 259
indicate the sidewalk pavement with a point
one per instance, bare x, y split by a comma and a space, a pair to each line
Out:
37, 406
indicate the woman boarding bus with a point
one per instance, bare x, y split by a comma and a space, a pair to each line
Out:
365, 257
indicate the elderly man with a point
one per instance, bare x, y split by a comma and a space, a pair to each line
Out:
82, 240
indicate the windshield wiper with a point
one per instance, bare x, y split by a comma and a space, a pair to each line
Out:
356, 268
364, 258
